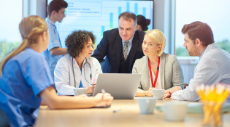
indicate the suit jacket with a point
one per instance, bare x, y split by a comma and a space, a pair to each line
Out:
111, 47
170, 72
212, 68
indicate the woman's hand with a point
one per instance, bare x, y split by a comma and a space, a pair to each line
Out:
90, 89
103, 99
167, 95
150, 92
171, 91
82, 96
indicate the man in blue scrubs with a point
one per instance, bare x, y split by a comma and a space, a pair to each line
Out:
56, 12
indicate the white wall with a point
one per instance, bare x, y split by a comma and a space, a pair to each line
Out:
41, 8
158, 14
34, 7
164, 21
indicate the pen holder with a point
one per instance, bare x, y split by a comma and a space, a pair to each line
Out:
212, 116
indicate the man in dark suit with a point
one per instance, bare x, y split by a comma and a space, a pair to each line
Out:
121, 46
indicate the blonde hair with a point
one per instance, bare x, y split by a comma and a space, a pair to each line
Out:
158, 37
30, 29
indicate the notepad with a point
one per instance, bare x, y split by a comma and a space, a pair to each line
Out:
196, 107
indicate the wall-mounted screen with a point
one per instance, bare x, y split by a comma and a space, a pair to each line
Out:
98, 16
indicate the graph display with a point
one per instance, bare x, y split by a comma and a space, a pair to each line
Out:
98, 16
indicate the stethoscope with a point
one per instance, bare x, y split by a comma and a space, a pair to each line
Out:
84, 65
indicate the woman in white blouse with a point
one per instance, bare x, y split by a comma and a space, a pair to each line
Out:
159, 70
77, 69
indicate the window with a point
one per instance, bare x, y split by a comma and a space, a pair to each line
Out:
213, 12
11, 15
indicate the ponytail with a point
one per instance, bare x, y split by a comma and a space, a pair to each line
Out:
12, 54
30, 28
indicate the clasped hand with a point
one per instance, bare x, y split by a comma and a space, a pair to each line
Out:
150, 93
90, 89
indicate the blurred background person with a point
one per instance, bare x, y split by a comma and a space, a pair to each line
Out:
159, 70
56, 13
142, 23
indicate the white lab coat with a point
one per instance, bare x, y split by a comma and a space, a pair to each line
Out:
213, 67
63, 74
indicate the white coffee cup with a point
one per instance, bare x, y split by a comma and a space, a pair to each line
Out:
175, 110
79, 91
158, 93
146, 104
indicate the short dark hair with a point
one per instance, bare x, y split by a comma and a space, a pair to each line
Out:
128, 15
56, 5
199, 30
76, 41
143, 22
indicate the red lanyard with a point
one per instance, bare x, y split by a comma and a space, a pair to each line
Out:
151, 76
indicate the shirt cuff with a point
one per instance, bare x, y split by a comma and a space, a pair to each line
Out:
177, 95
53, 45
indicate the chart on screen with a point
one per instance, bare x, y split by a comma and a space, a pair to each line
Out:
98, 16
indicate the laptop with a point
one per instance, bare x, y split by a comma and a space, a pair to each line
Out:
120, 86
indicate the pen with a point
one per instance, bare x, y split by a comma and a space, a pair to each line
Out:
103, 92
93, 82
117, 110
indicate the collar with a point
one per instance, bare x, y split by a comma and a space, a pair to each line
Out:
202, 53
208, 48
50, 21
86, 60
130, 41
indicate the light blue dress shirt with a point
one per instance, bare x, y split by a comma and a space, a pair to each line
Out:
24, 76
54, 42
201, 54
129, 44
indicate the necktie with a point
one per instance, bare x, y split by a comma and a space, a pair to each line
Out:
125, 51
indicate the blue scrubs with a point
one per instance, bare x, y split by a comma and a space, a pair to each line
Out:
54, 42
24, 77
81, 85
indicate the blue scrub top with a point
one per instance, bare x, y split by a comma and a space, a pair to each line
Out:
81, 85
24, 77
54, 42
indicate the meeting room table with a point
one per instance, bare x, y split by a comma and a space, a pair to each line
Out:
121, 113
